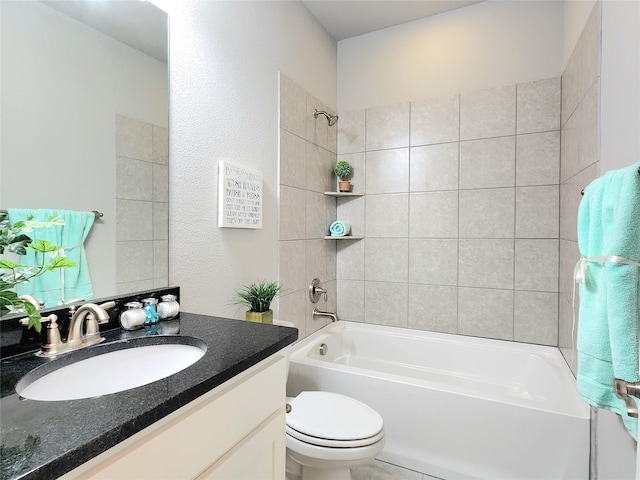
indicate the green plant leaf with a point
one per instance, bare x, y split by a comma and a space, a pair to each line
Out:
43, 246
9, 264
60, 262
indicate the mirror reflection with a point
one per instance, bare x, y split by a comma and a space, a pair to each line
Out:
84, 126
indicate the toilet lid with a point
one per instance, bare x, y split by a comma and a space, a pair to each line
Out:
332, 416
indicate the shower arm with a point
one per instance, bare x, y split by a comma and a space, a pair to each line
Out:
331, 119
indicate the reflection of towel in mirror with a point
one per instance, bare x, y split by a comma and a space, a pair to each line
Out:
609, 276
340, 229
63, 284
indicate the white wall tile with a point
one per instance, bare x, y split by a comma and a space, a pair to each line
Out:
291, 272
351, 209
160, 221
433, 214
351, 132
538, 106
433, 307
537, 263
350, 258
535, 318
435, 120
387, 215
292, 159
292, 221
134, 220
537, 212
134, 179
488, 113
315, 206
433, 261
351, 300
134, 139
134, 261
160, 183
291, 308
160, 145
487, 213
387, 171
386, 259
488, 163
386, 303
358, 177
293, 107
387, 127
538, 159
160, 258
434, 167
319, 175
485, 313
486, 263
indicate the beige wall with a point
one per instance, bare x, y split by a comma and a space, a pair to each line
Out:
490, 44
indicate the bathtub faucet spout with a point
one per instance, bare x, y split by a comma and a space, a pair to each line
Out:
319, 314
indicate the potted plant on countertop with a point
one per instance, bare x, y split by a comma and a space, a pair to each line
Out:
257, 297
343, 171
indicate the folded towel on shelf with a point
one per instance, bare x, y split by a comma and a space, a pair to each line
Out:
609, 283
340, 228
61, 285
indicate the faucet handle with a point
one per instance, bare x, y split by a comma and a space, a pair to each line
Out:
316, 291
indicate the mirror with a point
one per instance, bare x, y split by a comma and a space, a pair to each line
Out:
84, 126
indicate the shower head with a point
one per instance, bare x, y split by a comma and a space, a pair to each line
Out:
331, 119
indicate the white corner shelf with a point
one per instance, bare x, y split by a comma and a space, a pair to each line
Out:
344, 237
343, 194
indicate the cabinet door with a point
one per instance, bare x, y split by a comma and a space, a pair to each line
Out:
259, 456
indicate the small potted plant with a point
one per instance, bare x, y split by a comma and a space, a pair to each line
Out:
257, 297
343, 171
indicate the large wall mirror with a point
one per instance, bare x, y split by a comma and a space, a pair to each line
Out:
84, 126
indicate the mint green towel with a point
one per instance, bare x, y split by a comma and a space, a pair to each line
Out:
609, 225
65, 284
340, 228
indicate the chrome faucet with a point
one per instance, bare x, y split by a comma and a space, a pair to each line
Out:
319, 314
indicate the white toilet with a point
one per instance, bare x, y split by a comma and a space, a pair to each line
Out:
328, 433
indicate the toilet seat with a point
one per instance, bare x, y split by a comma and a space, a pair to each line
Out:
328, 419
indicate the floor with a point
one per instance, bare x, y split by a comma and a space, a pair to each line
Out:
378, 470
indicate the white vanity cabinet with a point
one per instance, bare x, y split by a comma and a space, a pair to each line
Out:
234, 432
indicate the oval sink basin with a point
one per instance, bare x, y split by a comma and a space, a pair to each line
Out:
110, 372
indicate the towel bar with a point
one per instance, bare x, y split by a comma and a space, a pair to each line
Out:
622, 390
97, 214
582, 191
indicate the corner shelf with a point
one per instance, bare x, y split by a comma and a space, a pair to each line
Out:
345, 237
343, 194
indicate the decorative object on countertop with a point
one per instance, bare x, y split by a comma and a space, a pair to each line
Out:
14, 239
150, 306
168, 307
257, 297
340, 228
133, 317
607, 274
70, 233
343, 171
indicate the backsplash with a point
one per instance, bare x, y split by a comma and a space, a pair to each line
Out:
17, 339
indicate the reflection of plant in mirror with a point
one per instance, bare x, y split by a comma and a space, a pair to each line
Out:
13, 239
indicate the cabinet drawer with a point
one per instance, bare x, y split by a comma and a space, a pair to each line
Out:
185, 443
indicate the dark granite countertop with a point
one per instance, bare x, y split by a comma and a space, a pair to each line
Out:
43, 440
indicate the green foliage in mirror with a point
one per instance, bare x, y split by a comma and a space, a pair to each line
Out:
14, 239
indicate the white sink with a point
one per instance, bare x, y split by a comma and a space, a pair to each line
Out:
111, 372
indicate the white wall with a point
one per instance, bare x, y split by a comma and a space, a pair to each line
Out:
486, 45
225, 59
620, 84
62, 85
575, 17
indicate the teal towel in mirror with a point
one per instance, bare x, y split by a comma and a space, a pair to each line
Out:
340, 228
609, 276
64, 284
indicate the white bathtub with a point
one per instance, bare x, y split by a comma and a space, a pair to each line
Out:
454, 406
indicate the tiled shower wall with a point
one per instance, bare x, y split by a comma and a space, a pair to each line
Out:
460, 214
307, 157
580, 153
142, 214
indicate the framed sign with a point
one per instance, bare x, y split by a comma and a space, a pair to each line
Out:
239, 196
